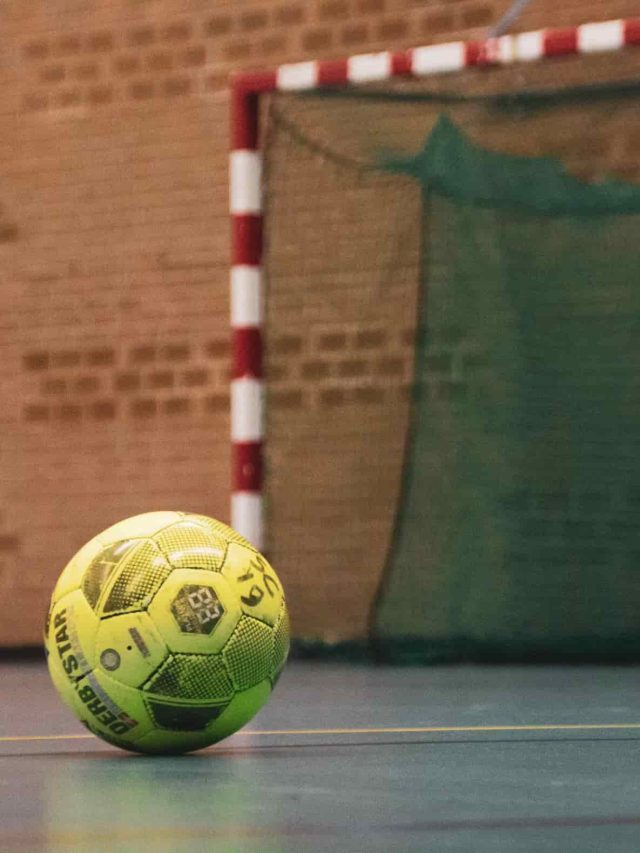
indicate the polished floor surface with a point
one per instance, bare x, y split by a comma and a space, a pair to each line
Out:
344, 758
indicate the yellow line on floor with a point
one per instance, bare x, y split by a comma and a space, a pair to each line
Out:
379, 731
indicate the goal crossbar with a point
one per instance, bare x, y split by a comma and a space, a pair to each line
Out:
246, 208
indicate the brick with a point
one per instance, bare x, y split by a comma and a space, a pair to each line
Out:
332, 397
286, 399
160, 379
141, 36
38, 49
100, 357
126, 64
65, 358
219, 25
128, 381
8, 232
67, 45
216, 82
100, 94
141, 90
237, 50
54, 386
35, 102
68, 98
290, 14
477, 16
36, 412
174, 86
256, 19
404, 391
277, 372
330, 10
194, 57
86, 71
274, 44
392, 28
285, 345
370, 6
354, 34
103, 410
317, 39
101, 42
176, 406
68, 412
175, 352
53, 73
87, 384
143, 408
160, 61
195, 378
177, 31
437, 21
217, 349
390, 367
369, 394
143, 354
370, 339
36, 360
332, 341
353, 367
314, 370
217, 403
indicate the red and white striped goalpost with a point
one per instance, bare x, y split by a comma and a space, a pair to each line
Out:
247, 285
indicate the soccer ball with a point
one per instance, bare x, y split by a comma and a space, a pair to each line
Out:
166, 633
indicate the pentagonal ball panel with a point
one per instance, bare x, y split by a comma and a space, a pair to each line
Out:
195, 610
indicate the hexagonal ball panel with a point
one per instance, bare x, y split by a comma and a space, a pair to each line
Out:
195, 610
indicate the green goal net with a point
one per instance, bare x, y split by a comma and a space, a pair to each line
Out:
481, 498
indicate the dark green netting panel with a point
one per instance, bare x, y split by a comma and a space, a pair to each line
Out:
518, 532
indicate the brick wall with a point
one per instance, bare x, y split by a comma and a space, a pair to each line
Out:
114, 244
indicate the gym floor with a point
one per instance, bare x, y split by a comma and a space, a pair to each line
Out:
344, 758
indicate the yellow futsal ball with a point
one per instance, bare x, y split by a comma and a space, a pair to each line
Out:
166, 632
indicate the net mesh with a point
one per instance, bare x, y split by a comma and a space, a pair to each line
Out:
452, 354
